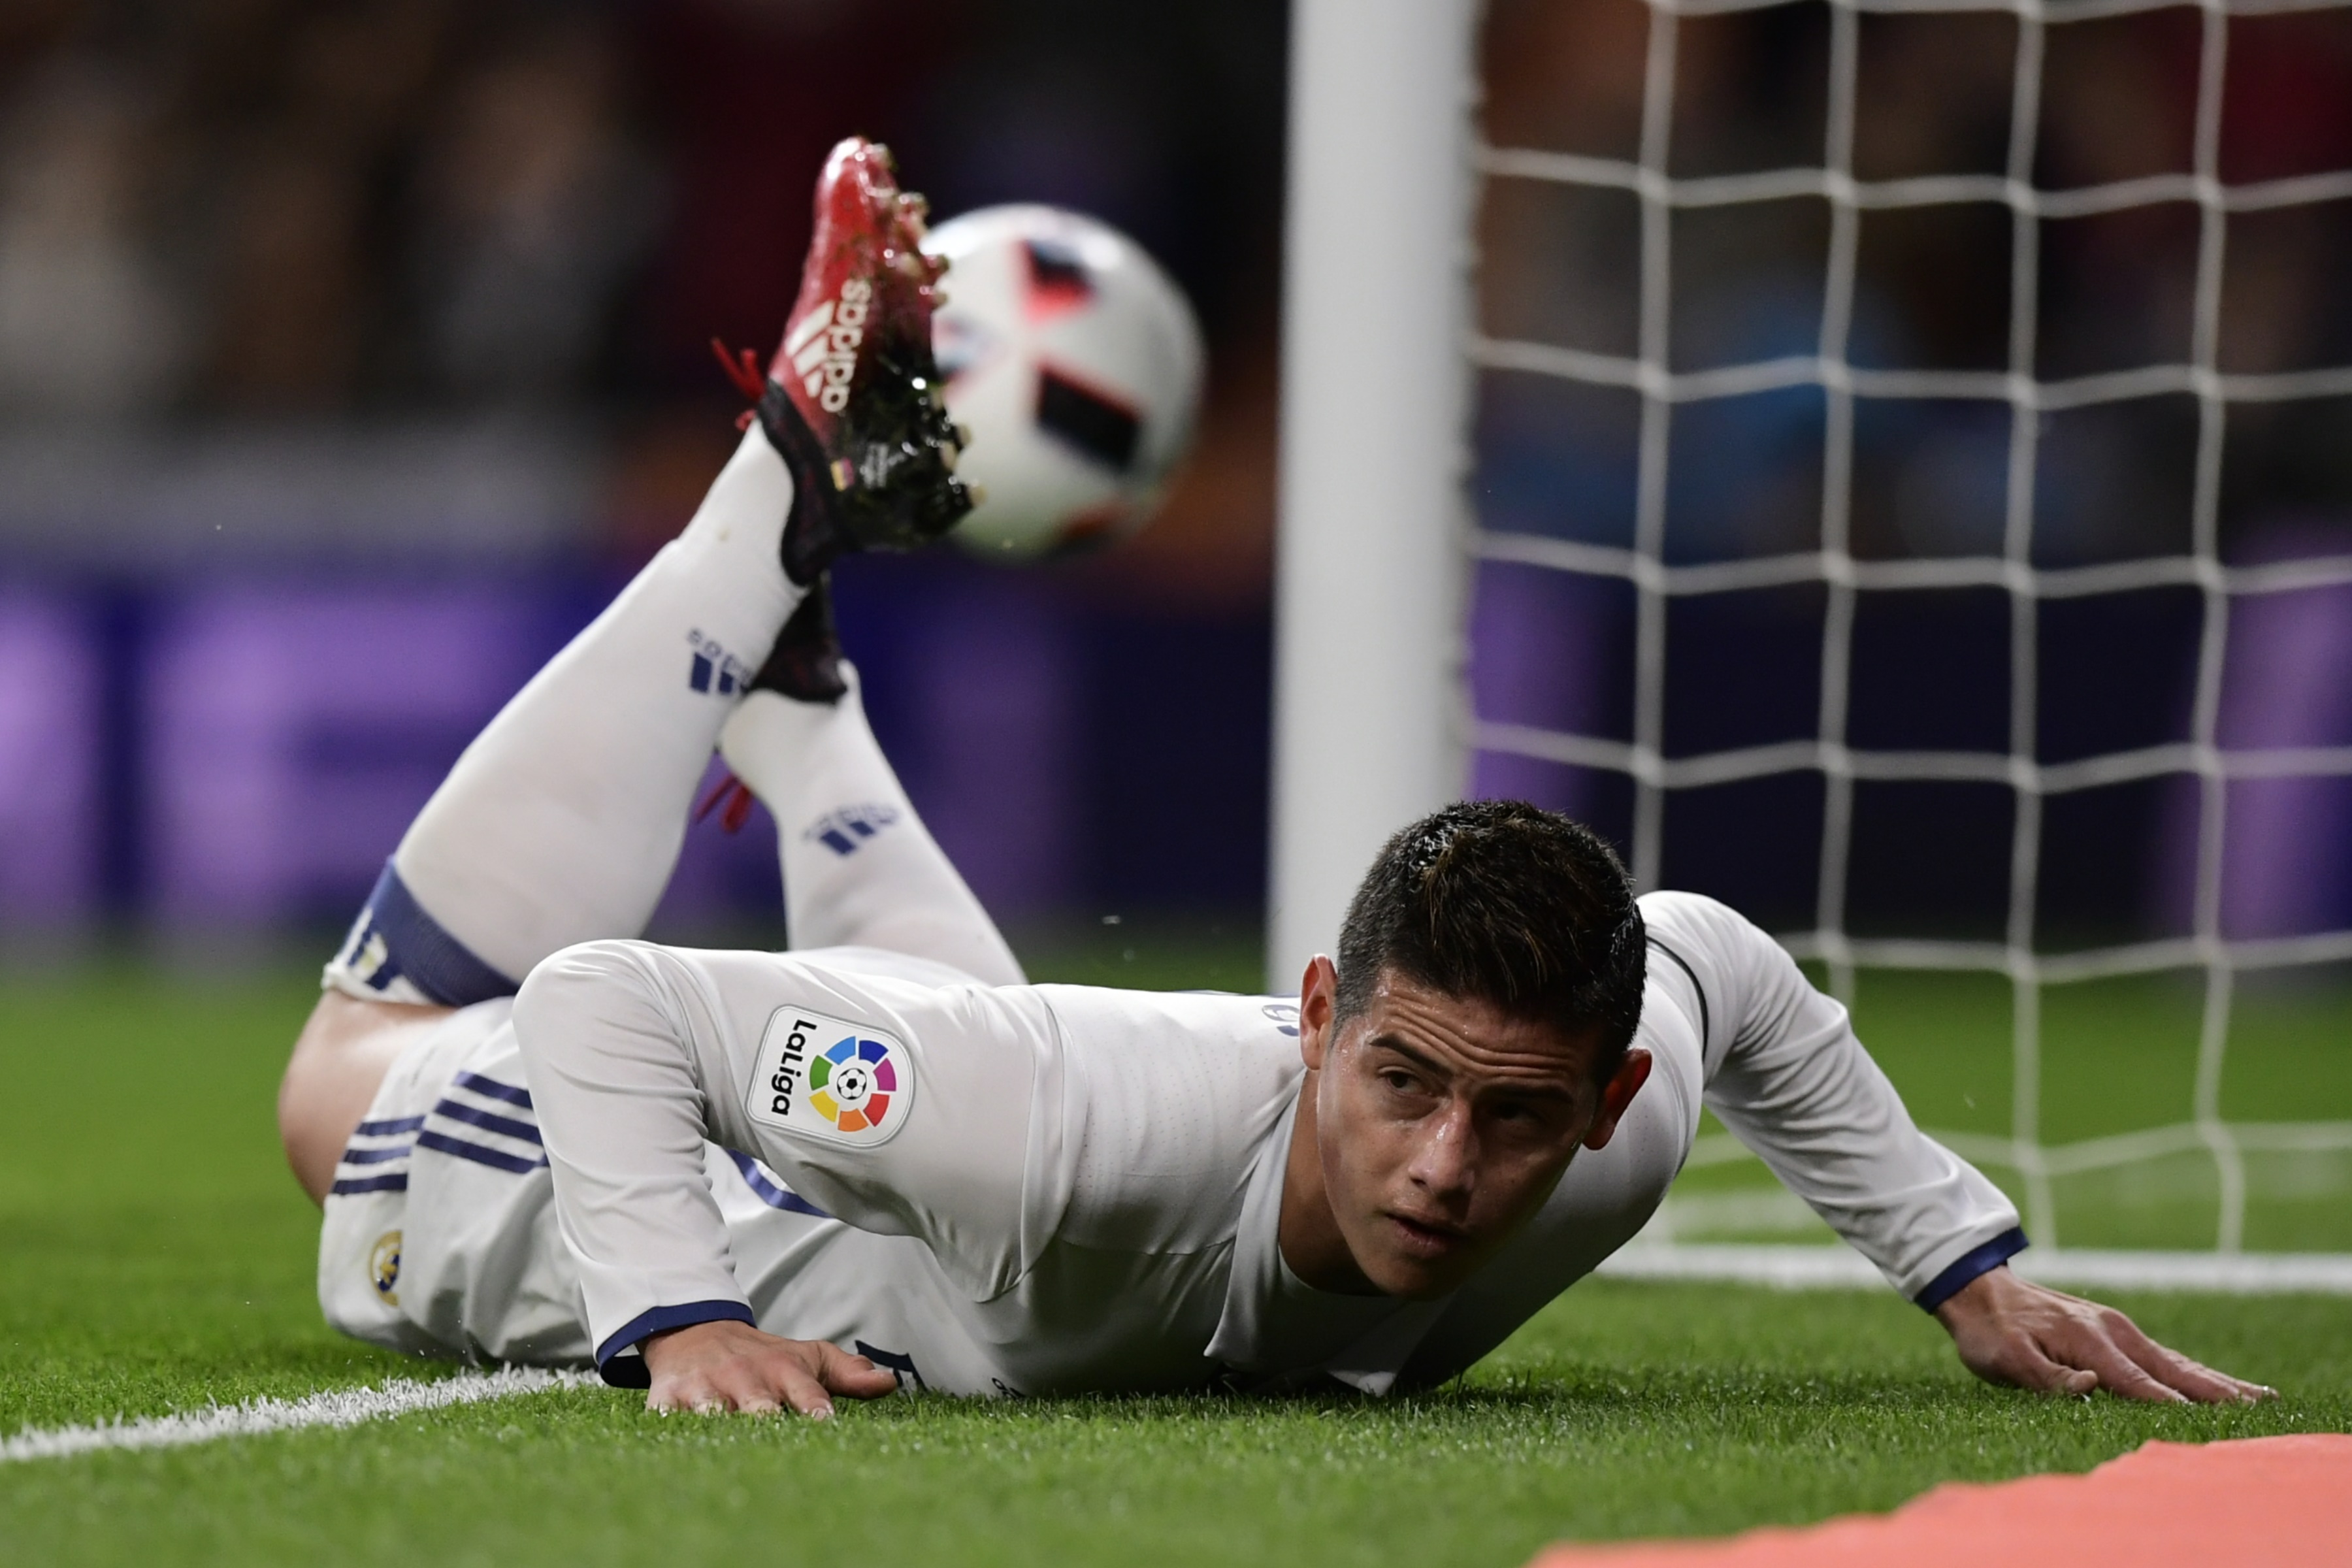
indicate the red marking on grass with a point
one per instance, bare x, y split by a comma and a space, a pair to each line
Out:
2170, 1505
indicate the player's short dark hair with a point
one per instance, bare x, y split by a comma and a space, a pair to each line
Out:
1510, 904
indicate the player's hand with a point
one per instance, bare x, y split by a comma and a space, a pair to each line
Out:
734, 1366
2012, 1331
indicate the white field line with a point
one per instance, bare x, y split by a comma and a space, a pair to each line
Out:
1803, 1267
336, 1407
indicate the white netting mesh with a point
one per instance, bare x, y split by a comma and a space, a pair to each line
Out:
1656, 579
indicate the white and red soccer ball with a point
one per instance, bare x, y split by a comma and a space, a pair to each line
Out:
1076, 363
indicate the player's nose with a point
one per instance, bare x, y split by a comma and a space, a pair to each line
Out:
1444, 1157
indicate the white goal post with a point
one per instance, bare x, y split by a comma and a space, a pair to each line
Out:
1370, 566
1376, 545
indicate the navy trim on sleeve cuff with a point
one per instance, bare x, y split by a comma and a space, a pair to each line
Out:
1981, 1261
686, 1315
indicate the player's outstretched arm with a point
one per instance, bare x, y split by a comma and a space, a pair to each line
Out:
2011, 1330
733, 1366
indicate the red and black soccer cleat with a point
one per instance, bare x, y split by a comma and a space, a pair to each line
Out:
852, 398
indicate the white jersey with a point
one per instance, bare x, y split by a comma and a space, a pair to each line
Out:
1034, 1189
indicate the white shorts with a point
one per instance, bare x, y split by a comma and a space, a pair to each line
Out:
440, 1235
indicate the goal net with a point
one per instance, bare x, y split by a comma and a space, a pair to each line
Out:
1911, 461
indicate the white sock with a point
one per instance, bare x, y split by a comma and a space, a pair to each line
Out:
860, 868
561, 822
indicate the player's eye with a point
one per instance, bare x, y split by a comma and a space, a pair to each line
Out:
1521, 1117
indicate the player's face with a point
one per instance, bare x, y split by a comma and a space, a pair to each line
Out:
1443, 1124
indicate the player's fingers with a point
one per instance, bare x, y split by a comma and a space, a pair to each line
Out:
853, 1375
2027, 1368
694, 1393
2232, 1388
2013, 1357
2089, 1348
2176, 1370
798, 1384
747, 1388
714, 1391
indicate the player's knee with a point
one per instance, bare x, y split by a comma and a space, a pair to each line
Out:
587, 980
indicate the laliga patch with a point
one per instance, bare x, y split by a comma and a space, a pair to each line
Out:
831, 1079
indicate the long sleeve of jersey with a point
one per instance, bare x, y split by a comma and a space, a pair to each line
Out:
881, 1096
1786, 1074
625, 1066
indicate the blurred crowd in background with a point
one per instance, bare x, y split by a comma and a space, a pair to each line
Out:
353, 352
1932, 290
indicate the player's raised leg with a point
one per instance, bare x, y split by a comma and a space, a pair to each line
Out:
563, 821
860, 869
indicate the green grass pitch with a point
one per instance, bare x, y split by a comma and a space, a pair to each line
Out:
154, 1257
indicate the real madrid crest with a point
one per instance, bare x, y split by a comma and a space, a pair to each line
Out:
383, 1267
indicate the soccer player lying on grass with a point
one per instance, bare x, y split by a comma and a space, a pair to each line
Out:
752, 1180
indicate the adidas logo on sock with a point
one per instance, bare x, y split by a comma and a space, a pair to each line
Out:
714, 668
843, 830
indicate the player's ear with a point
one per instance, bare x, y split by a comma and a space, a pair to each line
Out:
1318, 1001
1616, 1095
